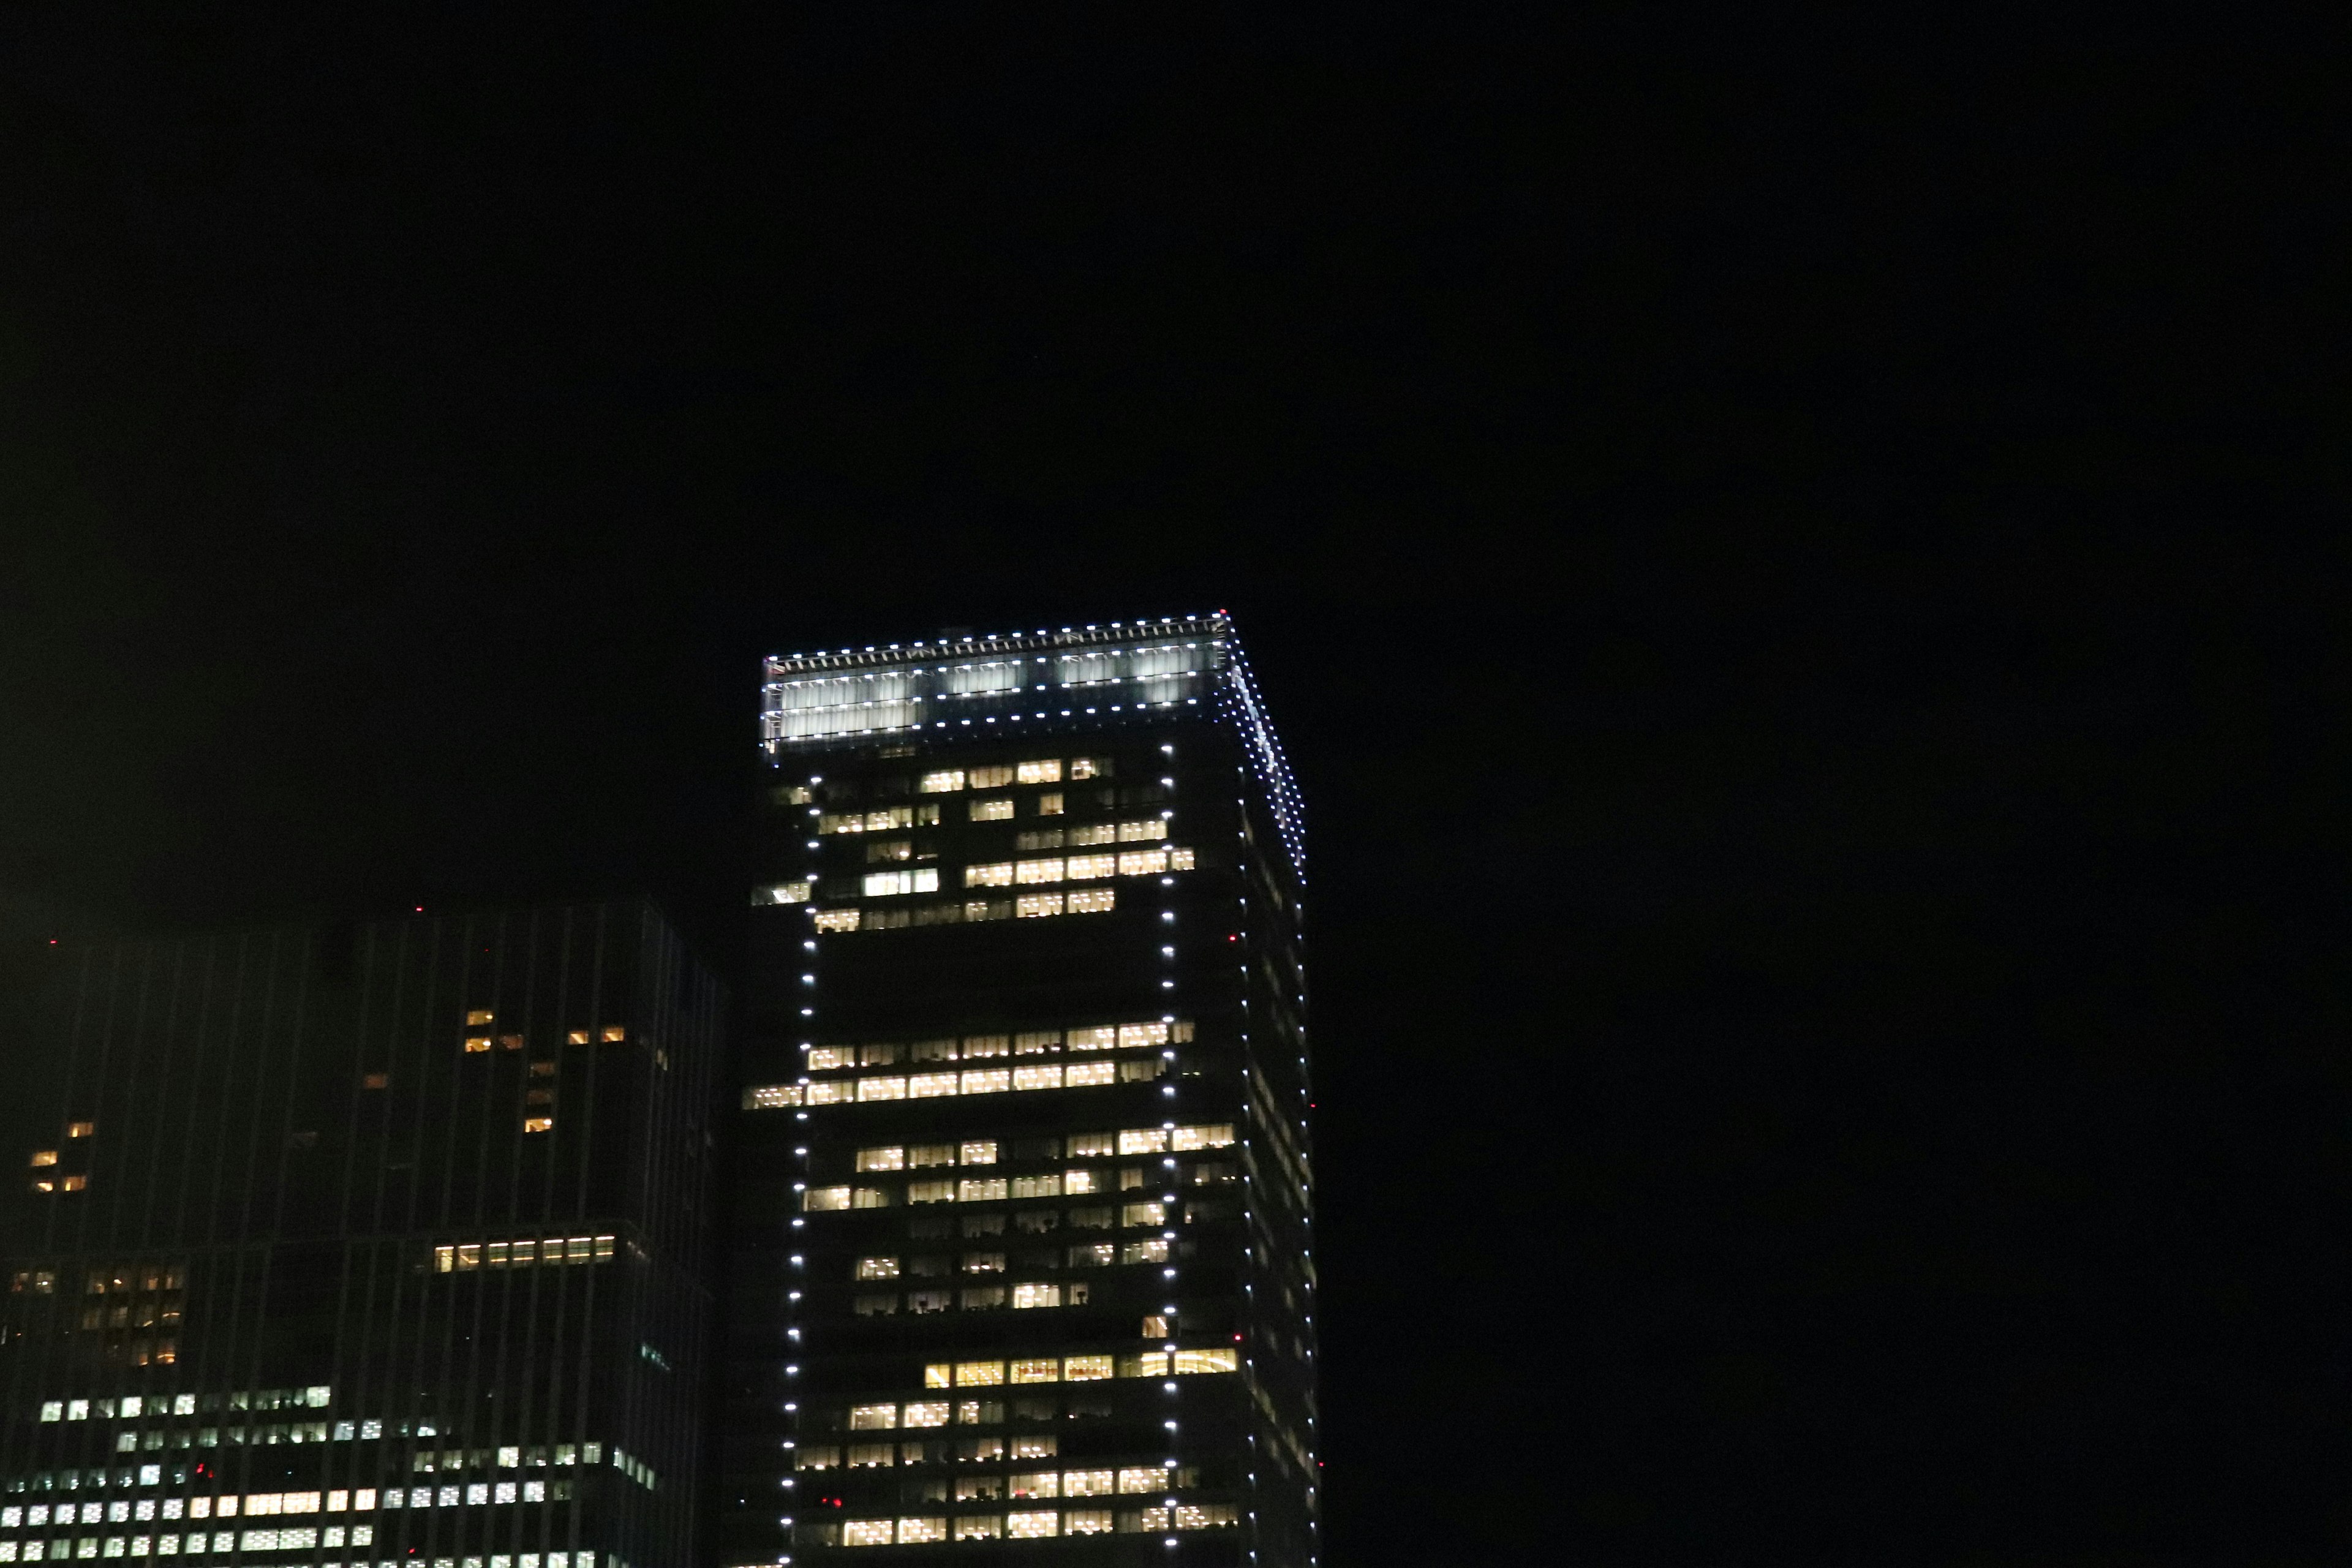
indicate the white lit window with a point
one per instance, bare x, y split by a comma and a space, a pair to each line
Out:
1093, 901
883, 884
931, 1192
997, 810
1143, 862
1046, 870
865, 1532
1036, 1483
869, 1198
1046, 772
1143, 1140
789, 892
981, 1190
1136, 832
1044, 1370
841, 1091
1049, 1186
1099, 833
873, 1417
816, 1457
1077, 1182
1037, 1077
819, 1198
1091, 867
943, 781
1029, 906
988, 1081
1030, 1525
1086, 1368
1036, 1296
836, 919
931, 1085
1217, 1136
1083, 1074
877, 1269
1143, 1478
979, 1527
1086, 1522
920, 1155
976, 1373
1089, 767
870, 1089
998, 874
1153, 1249
889, 1157
928, 1412
994, 776
1050, 803
1205, 1515
985, 1045
826, 1059
978, 1151
1134, 1037
912, 1531
772, 1096
1180, 860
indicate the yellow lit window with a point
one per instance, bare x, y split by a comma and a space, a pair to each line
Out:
81, 1128
873, 1417
1101, 833
985, 1045
994, 777
979, 1527
998, 809
477, 1043
931, 1192
1150, 827
1037, 870
865, 1532
1217, 1136
873, 1089
786, 893
1037, 1077
614, 1032
1180, 860
1153, 1250
881, 850
926, 1413
1091, 867
877, 1269
981, 1190
913, 1532
1036, 1296
817, 1457
1038, 1483
1037, 1042
1032, 1525
1135, 1036
891, 1157
771, 1097
576, 1038
1046, 772
943, 781
836, 919
1084, 1074
74, 1183
1030, 905
45, 1156
990, 1080
998, 874
1143, 862
1205, 1515
44, 1186
1086, 1368
1143, 1140
1048, 1186
868, 1198
821, 1198
826, 1059
1050, 803
1092, 901
539, 1124
930, 1085
1142, 1214
1086, 1522
978, 1373
1089, 767
922, 1155
1044, 1370
1078, 1182
1035, 1448
1189, 1362
1140, 1479
1088, 1483
979, 1151
477, 1016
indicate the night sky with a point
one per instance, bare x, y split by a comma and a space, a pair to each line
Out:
1782, 554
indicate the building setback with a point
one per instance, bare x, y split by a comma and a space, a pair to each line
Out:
1019, 1257
375, 1244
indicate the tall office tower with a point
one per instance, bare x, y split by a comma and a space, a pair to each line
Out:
381, 1244
1022, 1265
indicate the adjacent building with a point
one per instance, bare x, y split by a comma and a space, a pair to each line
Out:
375, 1244
1021, 1262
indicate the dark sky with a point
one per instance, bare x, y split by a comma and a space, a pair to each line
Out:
1786, 554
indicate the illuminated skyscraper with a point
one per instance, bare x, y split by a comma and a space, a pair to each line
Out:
1021, 1258
378, 1243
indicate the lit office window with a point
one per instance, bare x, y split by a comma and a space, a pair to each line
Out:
976, 1046
1189, 1363
1049, 1187
1084, 1074
931, 1085
1037, 1077
887, 884
983, 1263
872, 1455
1181, 860
1090, 767
1101, 1039
835, 920
943, 781
865, 1532
1030, 905
912, 1532
1205, 1515
1077, 1182
1032, 1525
871, 1088
998, 874
891, 1157
827, 1058
981, 1190
838, 1092
979, 1151
1143, 1140
1137, 832
1037, 1484
478, 1043
988, 1081
821, 1198
786, 893
1086, 1368
1050, 803
979, 1374
979, 1527
1152, 1251
997, 810
1099, 833
994, 776
1082, 1144
1086, 1522
873, 1417
1025, 1296
881, 851
1143, 862
1046, 870
1035, 1448
1140, 1479
821, 1456
868, 1198
45, 1156
1046, 772
1039, 839
539, 1124
1042, 1370
931, 1192
479, 1017
1219, 1135
877, 1269
924, 1154
1092, 901
1134, 1037
1091, 867
926, 1413
1088, 1483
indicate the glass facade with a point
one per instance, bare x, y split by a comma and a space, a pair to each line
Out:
1020, 1247
382, 1243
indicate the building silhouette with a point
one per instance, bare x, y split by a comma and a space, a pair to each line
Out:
1019, 1265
